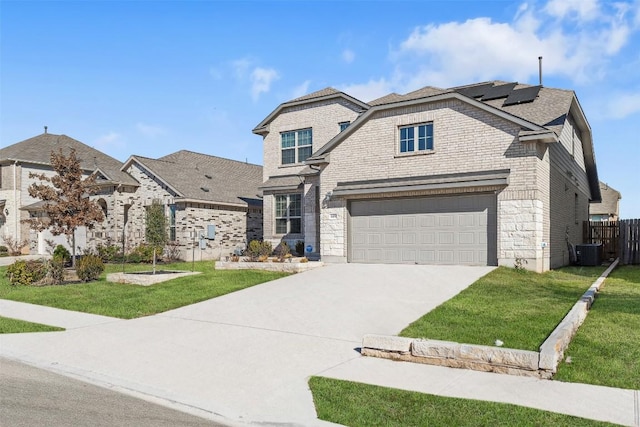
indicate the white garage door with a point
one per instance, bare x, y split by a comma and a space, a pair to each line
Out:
424, 230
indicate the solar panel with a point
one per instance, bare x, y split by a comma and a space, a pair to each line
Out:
475, 91
521, 96
498, 92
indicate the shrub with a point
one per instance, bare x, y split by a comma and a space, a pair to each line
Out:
142, 253
89, 268
172, 251
61, 254
258, 248
15, 246
25, 272
300, 248
54, 272
109, 252
283, 251
4, 249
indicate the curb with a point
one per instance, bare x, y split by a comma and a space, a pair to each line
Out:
540, 364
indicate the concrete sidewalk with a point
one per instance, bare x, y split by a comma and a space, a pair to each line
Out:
246, 357
609, 404
51, 316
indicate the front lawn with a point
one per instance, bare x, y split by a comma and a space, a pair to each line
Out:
355, 404
606, 348
130, 301
15, 326
518, 307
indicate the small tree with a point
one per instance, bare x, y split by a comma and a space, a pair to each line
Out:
156, 229
66, 202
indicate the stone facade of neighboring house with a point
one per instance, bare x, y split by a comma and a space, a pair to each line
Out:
609, 208
487, 174
197, 190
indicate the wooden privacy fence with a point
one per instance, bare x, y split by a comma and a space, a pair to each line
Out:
619, 239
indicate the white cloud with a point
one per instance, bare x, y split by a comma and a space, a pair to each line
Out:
624, 105
348, 56
108, 141
261, 79
301, 89
582, 10
481, 49
241, 67
150, 131
369, 91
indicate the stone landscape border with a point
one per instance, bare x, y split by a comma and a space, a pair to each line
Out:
541, 364
147, 279
287, 266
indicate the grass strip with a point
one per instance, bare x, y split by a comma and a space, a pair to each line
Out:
519, 307
15, 326
606, 348
127, 301
356, 404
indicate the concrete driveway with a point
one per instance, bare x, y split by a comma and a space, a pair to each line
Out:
246, 357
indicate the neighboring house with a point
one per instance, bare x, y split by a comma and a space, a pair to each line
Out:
33, 155
197, 191
487, 174
609, 208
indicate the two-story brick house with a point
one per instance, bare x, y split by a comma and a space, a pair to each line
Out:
487, 174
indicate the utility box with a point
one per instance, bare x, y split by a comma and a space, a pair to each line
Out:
589, 254
211, 232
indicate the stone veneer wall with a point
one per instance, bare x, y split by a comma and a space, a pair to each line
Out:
235, 226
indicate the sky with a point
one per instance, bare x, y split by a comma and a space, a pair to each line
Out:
150, 78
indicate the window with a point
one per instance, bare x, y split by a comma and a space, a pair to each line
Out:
288, 213
344, 125
296, 146
172, 223
424, 138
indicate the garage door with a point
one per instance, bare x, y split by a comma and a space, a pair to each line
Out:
424, 230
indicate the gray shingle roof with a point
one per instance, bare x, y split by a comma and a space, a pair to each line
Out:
208, 178
609, 204
323, 94
38, 150
317, 94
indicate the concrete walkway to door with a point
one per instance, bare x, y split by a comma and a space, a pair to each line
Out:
246, 357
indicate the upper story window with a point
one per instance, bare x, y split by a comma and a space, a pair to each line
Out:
343, 125
416, 138
296, 146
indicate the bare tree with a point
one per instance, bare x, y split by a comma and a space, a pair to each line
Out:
66, 201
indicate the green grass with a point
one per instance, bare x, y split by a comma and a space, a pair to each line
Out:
606, 348
520, 308
355, 404
131, 301
15, 326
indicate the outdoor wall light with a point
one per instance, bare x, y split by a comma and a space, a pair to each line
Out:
6, 211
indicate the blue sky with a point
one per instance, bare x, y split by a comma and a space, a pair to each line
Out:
153, 77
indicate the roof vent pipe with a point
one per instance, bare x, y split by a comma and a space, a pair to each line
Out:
45, 129
540, 69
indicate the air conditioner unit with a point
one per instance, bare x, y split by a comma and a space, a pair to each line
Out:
589, 254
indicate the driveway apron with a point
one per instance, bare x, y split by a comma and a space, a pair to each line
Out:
246, 357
